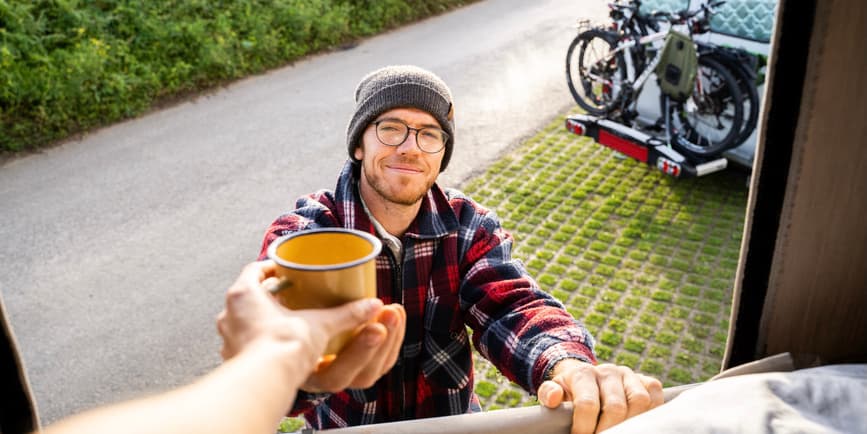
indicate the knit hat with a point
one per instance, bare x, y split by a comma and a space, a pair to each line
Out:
398, 87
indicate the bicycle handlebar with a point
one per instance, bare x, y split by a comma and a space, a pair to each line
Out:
627, 14
686, 16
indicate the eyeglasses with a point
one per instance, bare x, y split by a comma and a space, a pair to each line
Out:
393, 132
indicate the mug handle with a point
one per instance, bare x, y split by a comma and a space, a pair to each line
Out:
280, 286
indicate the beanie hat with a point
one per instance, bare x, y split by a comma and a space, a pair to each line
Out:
401, 87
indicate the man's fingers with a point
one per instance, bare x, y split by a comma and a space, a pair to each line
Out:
389, 319
654, 388
243, 294
581, 385
221, 319
355, 356
254, 273
342, 318
602, 396
225, 353
612, 398
393, 317
265, 268
550, 394
637, 396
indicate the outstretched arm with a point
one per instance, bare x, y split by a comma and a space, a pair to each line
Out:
270, 351
529, 336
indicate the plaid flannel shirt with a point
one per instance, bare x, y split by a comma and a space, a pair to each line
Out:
457, 272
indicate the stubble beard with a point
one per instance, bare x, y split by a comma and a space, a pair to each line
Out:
393, 194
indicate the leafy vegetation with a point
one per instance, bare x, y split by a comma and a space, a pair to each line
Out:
70, 65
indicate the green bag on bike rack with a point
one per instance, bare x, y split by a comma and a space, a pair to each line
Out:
677, 66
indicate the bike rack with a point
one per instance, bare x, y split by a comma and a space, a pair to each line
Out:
643, 147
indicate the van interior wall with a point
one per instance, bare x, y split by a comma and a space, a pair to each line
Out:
801, 285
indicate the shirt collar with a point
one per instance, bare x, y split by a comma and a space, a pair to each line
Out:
392, 242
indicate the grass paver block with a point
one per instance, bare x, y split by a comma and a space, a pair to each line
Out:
646, 262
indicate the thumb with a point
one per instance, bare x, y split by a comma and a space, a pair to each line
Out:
550, 394
345, 317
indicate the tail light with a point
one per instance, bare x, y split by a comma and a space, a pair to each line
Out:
575, 127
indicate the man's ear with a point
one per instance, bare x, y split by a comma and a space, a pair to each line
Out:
358, 153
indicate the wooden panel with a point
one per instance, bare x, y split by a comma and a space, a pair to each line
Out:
817, 289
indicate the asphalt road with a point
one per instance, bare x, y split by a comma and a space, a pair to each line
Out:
117, 248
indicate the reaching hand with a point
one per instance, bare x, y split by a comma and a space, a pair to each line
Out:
252, 316
602, 396
367, 357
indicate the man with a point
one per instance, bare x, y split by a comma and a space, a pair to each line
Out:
447, 266
270, 351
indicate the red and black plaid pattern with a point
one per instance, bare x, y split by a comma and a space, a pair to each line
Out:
457, 273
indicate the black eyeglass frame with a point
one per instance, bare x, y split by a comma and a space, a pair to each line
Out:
406, 136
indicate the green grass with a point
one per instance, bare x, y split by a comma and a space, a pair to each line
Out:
290, 425
644, 261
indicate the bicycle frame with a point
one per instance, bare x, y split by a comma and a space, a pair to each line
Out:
635, 84
626, 48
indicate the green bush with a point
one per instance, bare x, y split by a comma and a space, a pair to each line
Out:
67, 66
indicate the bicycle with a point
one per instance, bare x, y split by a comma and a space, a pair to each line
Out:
739, 62
613, 64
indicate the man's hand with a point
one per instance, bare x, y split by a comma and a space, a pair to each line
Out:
367, 357
602, 396
252, 316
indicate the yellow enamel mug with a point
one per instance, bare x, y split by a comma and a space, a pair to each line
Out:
325, 267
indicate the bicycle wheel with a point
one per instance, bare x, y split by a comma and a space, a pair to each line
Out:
747, 86
594, 72
710, 120
742, 65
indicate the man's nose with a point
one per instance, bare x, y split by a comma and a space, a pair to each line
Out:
411, 143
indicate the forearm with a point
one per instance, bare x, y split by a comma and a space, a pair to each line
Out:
519, 327
540, 331
249, 393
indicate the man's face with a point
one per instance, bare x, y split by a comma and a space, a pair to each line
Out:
398, 174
